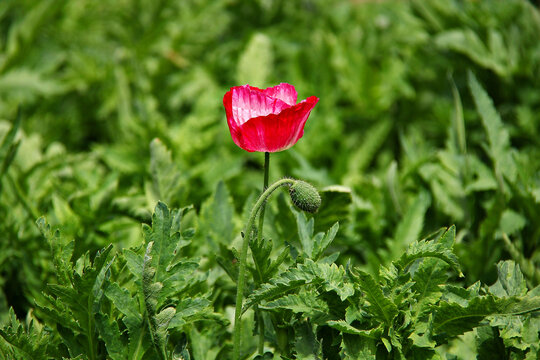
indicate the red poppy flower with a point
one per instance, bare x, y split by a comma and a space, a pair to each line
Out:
266, 120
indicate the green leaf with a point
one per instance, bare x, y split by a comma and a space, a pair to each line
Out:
512, 222
428, 281
111, 335
489, 344
331, 277
346, 328
287, 281
336, 202
321, 243
335, 279
372, 140
510, 280
358, 348
76, 300
217, 217
411, 225
151, 291
380, 306
467, 42
29, 342
9, 147
306, 345
134, 262
256, 61
435, 249
498, 137
303, 302
162, 321
61, 251
166, 276
167, 184
305, 232
452, 319
192, 309
164, 240
123, 301
265, 267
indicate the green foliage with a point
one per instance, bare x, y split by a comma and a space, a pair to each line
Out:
410, 311
427, 117
134, 305
20, 341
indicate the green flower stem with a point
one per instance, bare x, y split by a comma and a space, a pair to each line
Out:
260, 234
243, 257
266, 171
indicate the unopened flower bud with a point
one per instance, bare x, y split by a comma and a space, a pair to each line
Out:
305, 196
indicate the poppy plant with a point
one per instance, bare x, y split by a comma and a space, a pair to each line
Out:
266, 120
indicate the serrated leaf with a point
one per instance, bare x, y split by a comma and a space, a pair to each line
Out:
346, 328
382, 308
189, 310
164, 240
162, 320
288, 281
304, 302
321, 243
424, 249
330, 276
134, 262
428, 279
24, 342
61, 252
452, 319
510, 280
111, 335
260, 252
334, 279
123, 301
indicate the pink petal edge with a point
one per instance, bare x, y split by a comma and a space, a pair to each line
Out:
274, 132
246, 102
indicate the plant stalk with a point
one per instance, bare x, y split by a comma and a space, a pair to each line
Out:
260, 235
248, 231
265, 186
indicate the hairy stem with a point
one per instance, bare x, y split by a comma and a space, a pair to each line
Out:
265, 186
258, 313
248, 232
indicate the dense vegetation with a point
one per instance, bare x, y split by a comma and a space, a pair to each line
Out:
425, 146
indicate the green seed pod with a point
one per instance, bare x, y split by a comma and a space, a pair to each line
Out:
305, 196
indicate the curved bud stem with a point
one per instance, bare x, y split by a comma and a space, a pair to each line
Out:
241, 282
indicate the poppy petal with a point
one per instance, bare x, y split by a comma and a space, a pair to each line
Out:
274, 132
243, 103
285, 92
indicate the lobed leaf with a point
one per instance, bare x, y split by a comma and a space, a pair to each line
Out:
380, 306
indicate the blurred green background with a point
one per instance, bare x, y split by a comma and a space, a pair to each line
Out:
396, 125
